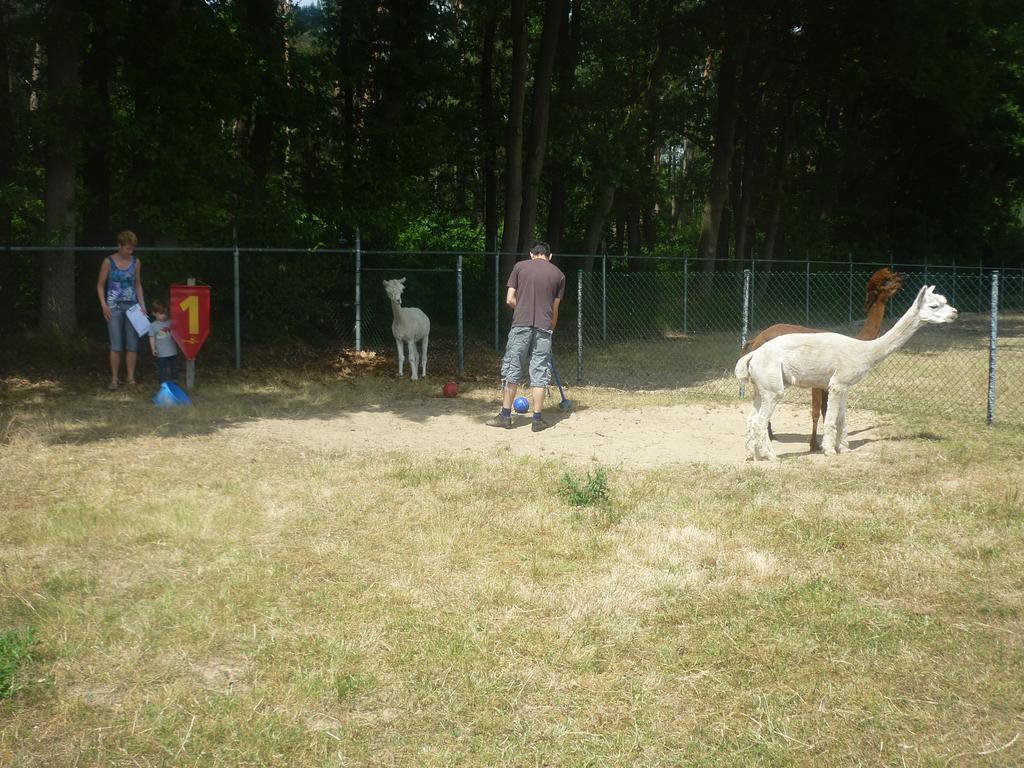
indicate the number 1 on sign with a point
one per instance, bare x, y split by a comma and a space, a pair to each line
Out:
191, 305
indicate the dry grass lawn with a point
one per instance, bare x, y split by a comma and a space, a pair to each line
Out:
205, 600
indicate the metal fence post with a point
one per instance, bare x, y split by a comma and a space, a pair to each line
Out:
359, 307
992, 335
753, 285
458, 313
807, 294
497, 298
238, 303
849, 290
579, 325
686, 294
746, 317
952, 296
604, 297
190, 365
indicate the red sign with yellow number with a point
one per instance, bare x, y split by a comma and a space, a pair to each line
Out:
190, 317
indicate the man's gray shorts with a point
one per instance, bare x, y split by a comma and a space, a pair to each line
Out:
527, 346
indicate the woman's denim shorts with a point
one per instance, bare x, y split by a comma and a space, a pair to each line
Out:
122, 333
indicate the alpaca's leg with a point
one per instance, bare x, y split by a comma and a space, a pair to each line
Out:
401, 357
752, 424
763, 443
824, 407
817, 395
751, 443
829, 435
414, 359
424, 363
839, 405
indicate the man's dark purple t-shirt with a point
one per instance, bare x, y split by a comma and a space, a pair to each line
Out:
538, 283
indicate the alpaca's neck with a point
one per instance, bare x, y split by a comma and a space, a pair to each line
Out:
896, 337
396, 309
873, 323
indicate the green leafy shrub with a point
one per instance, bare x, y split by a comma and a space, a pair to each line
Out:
440, 233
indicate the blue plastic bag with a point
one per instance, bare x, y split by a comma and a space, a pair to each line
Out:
170, 395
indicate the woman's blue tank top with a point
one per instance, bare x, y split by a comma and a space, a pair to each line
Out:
121, 284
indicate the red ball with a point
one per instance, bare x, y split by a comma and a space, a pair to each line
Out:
451, 389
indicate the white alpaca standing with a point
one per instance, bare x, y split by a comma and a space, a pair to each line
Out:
826, 361
409, 326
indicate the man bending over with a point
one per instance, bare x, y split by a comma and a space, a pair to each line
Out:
535, 289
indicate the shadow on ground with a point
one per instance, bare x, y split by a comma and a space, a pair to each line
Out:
57, 392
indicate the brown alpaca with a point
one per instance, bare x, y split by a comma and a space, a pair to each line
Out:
882, 286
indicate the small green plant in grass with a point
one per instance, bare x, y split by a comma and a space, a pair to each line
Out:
588, 491
347, 685
15, 650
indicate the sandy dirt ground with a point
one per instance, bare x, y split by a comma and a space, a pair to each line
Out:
644, 438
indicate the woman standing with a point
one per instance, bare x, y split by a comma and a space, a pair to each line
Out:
119, 286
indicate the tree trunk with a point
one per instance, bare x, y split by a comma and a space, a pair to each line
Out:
538, 140
262, 27
633, 229
556, 207
724, 231
57, 311
745, 156
595, 225
781, 159
679, 181
489, 149
741, 224
345, 60
725, 130
514, 138
8, 289
646, 199
97, 75
568, 57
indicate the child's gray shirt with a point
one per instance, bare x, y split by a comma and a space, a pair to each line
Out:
160, 330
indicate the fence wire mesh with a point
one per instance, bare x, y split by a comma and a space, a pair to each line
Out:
656, 323
655, 329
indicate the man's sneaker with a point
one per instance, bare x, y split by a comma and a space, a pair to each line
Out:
505, 422
539, 425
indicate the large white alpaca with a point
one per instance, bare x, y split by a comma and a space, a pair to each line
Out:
410, 325
827, 361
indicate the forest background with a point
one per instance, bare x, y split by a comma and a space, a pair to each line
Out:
721, 130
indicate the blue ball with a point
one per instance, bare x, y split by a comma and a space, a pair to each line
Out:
521, 404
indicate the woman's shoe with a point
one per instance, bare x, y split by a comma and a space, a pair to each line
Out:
112, 385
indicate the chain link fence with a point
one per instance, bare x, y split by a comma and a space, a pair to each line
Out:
637, 323
674, 328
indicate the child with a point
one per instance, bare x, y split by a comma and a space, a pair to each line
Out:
165, 349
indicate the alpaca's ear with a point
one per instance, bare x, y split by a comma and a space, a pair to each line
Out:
921, 294
401, 280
